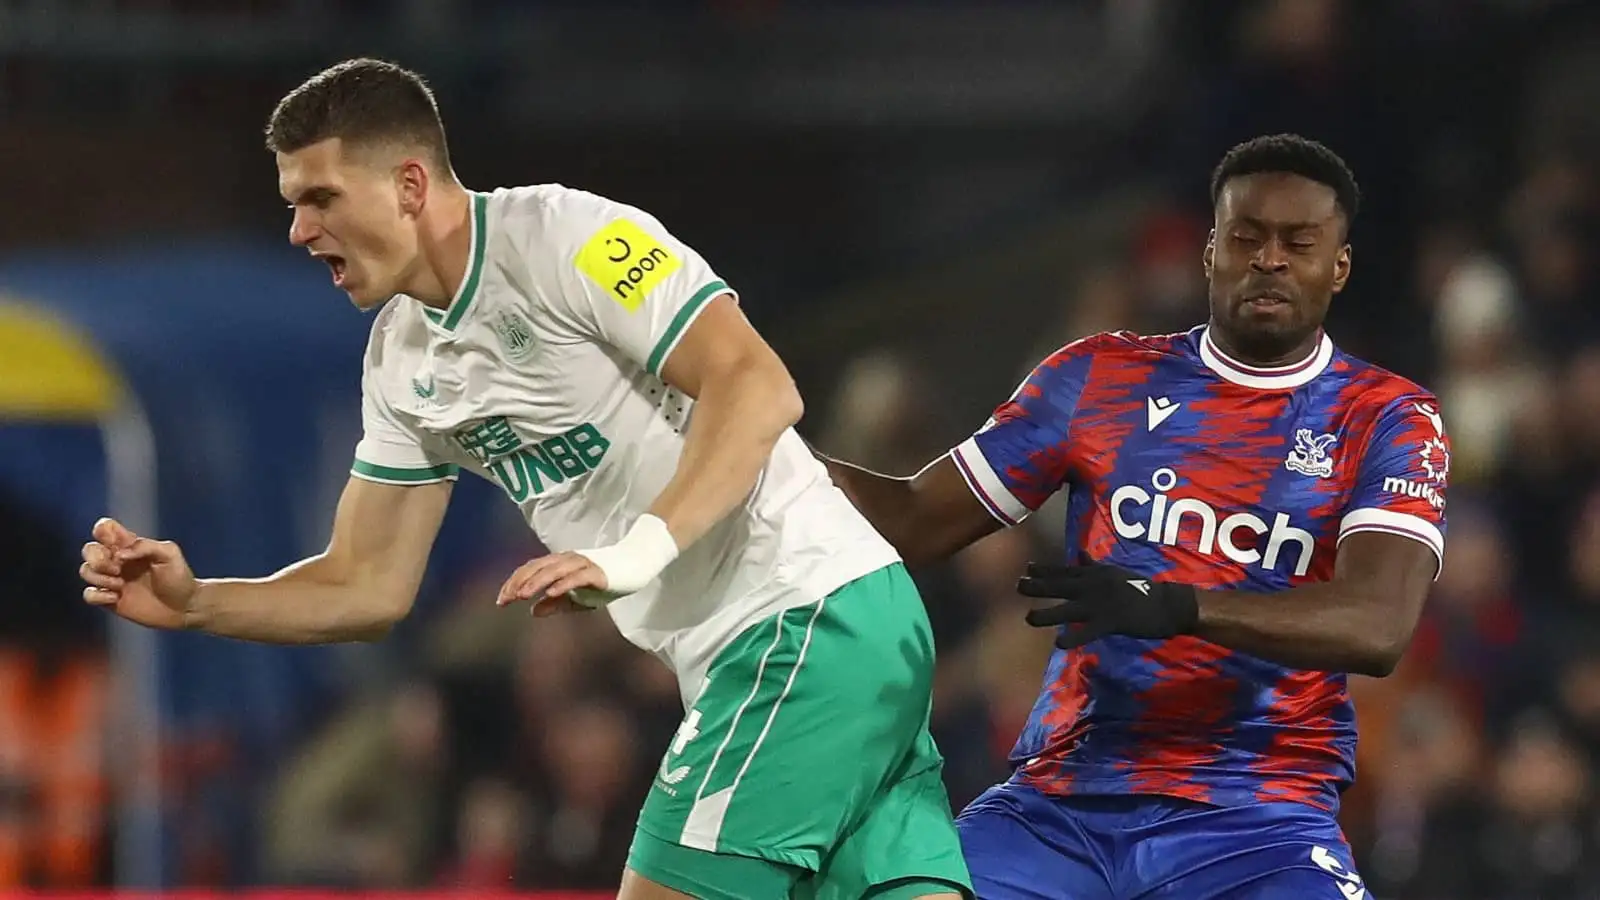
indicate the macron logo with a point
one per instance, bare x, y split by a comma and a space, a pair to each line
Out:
1157, 409
1140, 585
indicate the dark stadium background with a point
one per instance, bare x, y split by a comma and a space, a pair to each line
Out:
917, 200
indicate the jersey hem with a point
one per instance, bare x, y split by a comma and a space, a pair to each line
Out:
680, 323
404, 475
1090, 787
736, 619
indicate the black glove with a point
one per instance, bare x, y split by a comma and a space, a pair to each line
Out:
1101, 599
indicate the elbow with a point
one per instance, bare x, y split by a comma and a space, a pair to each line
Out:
787, 405
770, 404
372, 634
374, 631
386, 611
767, 383
1378, 654
391, 613
1373, 665
1381, 635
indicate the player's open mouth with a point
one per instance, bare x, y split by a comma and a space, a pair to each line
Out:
1267, 299
337, 266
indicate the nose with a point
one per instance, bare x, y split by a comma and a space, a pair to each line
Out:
1272, 258
304, 228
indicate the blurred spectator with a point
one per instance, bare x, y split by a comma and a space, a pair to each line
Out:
360, 806
491, 836
1578, 690
1471, 638
593, 771
53, 710
1542, 834
880, 416
1427, 817
1483, 379
1552, 222
1167, 275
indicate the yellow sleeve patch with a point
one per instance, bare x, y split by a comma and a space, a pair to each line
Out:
626, 262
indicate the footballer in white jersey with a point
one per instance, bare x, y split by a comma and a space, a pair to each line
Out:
573, 351
543, 375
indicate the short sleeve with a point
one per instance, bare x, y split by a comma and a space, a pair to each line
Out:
1404, 474
388, 452
1022, 454
637, 287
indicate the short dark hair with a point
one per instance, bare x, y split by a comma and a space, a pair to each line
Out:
1294, 155
361, 101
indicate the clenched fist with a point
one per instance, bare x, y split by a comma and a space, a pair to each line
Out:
142, 580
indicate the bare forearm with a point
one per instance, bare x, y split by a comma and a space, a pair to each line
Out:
735, 425
306, 603
927, 517
1321, 627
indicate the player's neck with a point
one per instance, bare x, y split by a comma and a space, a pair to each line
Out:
444, 248
1229, 349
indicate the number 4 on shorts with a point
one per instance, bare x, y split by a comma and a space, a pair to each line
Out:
688, 730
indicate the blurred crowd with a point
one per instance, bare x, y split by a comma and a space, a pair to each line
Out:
493, 754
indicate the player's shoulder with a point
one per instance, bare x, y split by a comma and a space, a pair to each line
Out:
555, 213
1369, 386
1119, 345
387, 324
397, 331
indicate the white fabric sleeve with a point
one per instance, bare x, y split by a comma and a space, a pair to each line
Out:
388, 452
629, 282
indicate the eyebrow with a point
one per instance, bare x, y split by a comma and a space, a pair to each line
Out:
311, 194
1263, 224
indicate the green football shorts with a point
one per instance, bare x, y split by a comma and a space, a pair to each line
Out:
805, 768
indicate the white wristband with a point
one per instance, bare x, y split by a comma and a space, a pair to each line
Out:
632, 562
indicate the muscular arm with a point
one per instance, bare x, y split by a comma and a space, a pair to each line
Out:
927, 517
744, 401
358, 588
1360, 622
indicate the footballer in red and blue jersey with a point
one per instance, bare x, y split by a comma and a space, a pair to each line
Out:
1253, 514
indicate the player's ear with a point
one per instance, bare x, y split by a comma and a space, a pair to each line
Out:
1208, 256
1341, 268
411, 183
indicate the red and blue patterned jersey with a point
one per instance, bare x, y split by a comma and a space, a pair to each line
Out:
1183, 465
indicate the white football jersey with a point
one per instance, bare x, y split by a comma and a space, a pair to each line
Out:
543, 376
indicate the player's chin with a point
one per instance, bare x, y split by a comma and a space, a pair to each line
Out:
1271, 328
363, 297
